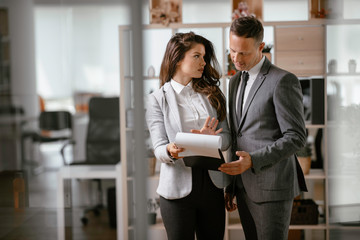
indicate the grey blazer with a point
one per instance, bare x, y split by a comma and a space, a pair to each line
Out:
163, 119
272, 129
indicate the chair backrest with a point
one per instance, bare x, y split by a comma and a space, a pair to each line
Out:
103, 133
55, 120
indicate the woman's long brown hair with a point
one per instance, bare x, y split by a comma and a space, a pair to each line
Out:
209, 82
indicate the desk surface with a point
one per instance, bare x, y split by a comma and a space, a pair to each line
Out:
86, 172
90, 171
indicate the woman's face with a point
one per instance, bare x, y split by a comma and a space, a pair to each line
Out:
192, 65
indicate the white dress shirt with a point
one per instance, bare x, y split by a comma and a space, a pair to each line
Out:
193, 113
253, 72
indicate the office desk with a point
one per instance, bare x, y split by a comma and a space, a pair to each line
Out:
88, 172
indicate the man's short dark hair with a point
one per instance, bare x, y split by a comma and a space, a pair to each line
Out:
248, 27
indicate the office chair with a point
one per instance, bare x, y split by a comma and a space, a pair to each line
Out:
102, 141
54, 126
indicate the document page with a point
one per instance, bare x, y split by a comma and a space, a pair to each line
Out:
198, 144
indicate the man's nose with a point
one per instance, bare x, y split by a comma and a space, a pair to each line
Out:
236, 57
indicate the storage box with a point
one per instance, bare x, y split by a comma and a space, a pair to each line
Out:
304, 212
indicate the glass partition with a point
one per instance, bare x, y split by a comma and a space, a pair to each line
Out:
343, 86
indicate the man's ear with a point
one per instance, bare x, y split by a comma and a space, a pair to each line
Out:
261, 46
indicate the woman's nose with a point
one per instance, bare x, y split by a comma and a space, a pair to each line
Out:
203, 63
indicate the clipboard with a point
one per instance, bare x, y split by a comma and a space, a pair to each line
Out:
209, 163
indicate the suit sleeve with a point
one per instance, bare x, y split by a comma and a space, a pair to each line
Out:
287, 100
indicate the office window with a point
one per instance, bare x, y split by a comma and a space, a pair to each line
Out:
77, 49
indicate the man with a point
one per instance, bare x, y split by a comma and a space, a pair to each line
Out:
267, 127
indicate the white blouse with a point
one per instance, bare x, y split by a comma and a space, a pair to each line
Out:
193, 113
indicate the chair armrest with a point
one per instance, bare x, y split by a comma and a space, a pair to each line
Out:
62, 151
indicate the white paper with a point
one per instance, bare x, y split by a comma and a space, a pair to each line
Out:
198, 144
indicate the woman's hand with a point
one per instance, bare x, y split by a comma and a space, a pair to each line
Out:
230, 204
209, 127
173, 150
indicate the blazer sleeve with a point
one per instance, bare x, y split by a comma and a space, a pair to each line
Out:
155, 121
287, 98
225, 135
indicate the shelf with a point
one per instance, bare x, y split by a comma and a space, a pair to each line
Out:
315, 227
316, 21
343, 74
344, 227
315, 174
156, 176
309, 125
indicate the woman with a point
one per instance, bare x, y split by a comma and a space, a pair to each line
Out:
189, 100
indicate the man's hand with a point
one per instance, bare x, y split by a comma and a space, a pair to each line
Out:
239, 166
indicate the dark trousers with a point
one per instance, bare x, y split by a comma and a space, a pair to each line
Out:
201, 212
264, 221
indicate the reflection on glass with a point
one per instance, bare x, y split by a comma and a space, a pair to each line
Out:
150, 85
343, 45
293, 10
154, 42
343, 147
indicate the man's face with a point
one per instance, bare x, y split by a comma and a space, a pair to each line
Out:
245, 52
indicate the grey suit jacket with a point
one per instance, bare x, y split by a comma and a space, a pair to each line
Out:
272, 129
163, 119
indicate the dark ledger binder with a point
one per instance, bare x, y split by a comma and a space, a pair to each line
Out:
205, 162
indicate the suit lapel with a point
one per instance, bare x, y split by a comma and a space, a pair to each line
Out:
254, 88
170, 98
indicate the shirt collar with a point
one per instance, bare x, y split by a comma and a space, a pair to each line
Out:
178, 87
256, 69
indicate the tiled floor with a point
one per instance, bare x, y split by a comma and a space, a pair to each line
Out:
40, 224
39, 220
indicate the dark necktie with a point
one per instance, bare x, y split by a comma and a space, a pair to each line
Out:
245, 78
